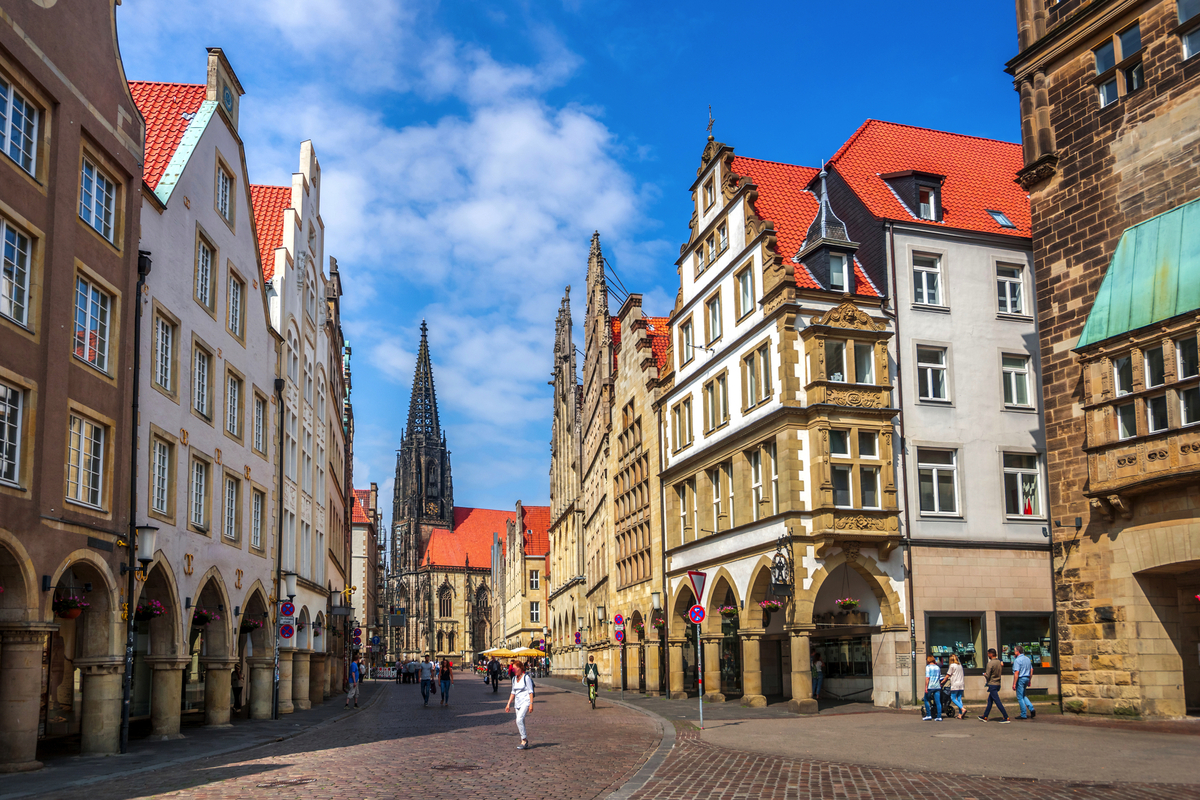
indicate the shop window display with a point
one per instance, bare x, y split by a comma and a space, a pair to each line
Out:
959, 635
846, 657
1033, 632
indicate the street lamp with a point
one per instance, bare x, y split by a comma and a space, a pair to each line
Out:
289, 585
600, 614
546, 645
147, 536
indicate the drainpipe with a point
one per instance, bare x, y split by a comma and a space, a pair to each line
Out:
144, 265
279, 385
912, 620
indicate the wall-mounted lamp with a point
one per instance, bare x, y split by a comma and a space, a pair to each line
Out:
1078, 523
187, 603
45, 583
87, 587
600, 613
656, 601
147, 538
237, 611
289, 585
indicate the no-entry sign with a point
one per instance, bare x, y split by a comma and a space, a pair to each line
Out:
696, 613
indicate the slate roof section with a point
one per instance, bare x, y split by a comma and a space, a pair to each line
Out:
269, 204
784, 200
168, 109
1154, 276
980, 175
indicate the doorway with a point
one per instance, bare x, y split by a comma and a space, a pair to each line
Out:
771, 661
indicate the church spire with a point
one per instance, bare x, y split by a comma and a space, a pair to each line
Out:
422, 409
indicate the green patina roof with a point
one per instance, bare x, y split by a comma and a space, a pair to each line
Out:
1154, 275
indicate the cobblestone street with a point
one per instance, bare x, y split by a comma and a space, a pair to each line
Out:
396, 748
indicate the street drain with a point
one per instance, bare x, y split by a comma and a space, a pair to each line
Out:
455, 767
286, 782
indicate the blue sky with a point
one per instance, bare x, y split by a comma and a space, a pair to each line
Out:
469, 150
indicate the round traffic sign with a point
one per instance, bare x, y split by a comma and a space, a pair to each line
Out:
619, 635
696, 614
358, 631
618, 620
287, 631
357, 640
288, 609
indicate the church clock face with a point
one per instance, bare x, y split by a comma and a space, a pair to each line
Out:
431, 508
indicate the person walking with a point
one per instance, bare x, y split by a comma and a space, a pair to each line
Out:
413, 670
818, 667
933, 688
1022, 675
493, 669
355, 680
236, 684
522, 697
446, 676
991, 675
426, 677
958, 684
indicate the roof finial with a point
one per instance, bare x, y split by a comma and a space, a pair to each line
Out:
710, 122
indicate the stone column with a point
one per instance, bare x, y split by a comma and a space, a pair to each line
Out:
262, 687
300, 679
802, 701
675, 669
651, 654
316, 679
712, 669
100, 731
20, 696
166, 688
329, 667
285, 681
217, 694
752, 669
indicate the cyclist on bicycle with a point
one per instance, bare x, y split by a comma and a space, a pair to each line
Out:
591, 678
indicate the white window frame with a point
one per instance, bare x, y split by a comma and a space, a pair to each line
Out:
1157, 403
839, 278
19, 121
14, 275
233, 404
204, 268
773, 457
291, 437
93, 318
1126, 414
927, 280
834, 435
756, 483
712, 309
257, 503
260, 414
1019, 473
12, 407
198, 494
534, 580
687, 345
308, 379
293, 358
164, 352
1189, 399
231, 493
1010, 289
201, 381
308, 461
320, 401
926, 371
714, 477
873, 438
224, 193
865, 470
869, 349
1146, 364
848, 471
85, 467
535, 611
97, 199
1181, 368
936, 471
835, 351
745, 285
722, 237
236, 290
160, 475
1014, 378
932, 205
1120, 364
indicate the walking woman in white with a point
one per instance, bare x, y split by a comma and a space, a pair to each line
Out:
522, 698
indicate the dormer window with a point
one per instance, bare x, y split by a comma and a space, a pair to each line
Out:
838, 278
1001, 220
710, 193
927, 202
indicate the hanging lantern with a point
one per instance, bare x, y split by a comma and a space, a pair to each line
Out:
782, 574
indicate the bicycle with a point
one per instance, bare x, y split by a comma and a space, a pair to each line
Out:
592, 694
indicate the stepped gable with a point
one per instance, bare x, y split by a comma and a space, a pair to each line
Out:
168, 109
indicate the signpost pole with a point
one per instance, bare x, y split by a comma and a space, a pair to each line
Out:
700, 673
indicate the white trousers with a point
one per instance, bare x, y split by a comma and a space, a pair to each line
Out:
522, 710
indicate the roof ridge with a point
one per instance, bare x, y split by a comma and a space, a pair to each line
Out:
939, 130
168, 83
846, 144
780, 163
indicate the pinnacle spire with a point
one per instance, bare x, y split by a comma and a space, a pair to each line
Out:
826, 225
422, 409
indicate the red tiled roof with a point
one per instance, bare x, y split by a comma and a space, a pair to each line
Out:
660, 338
472, 537
361, 498
784, 200
164, 106
269, 204
537, 521
979, 175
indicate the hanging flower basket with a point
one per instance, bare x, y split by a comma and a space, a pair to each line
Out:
728, 611
202, 616
250, 625
149, 610
301, 626
770, 605
70, 606
316, 632
847, 604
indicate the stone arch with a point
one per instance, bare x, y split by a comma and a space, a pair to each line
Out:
318, 632
759, 589
212, 596
166, 631
19, 601
303, 628
721, 587
890, 606
102, 632
684, 599
255, 607
634, 620
445, 600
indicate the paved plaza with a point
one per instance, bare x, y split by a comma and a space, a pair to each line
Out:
636, 749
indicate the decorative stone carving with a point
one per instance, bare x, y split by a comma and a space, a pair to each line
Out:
847, 315
1101, 506
1041, 170
851, 551
858, 523
1121, 505
858, 399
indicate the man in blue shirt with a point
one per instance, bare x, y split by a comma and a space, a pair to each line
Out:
355, 678
1022, 674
